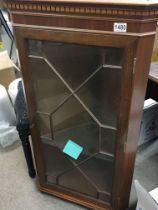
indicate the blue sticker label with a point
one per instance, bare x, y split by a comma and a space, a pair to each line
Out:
72, 149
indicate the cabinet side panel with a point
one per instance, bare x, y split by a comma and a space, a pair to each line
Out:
124, 178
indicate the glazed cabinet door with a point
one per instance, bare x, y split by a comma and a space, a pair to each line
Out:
77, 87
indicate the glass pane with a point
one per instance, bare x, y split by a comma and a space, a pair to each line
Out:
71, 56
107, 144
35, 47
49, 89
104, 197
56, 163
99, 170
76, 180
77, 91
101, 95
44, 125
113, 56
93, 177
76, 124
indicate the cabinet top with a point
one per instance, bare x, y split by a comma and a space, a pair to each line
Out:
106, 2
42, 11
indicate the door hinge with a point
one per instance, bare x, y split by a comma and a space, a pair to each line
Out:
134, 65
124, 147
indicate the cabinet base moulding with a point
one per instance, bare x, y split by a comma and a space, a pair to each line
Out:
74, 199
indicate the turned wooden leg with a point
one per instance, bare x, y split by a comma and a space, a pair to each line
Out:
28, 154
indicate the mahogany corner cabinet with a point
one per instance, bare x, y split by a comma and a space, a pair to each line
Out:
85, 67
